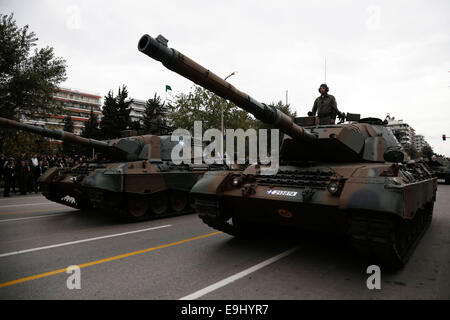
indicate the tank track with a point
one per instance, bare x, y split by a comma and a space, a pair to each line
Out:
381, 238
219, 224
386, 240
209, 212
66, 202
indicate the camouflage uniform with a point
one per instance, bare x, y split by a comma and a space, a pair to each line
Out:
326, 108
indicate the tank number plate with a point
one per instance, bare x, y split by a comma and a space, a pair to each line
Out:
282, 193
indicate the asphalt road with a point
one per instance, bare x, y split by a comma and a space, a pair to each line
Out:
182, 258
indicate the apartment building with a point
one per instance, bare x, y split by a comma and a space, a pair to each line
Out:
137, 109
76, 103
402, 130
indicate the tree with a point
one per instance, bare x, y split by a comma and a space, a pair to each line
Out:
68, 148
26, 81
411, 151
427, 152
91, 128
26, 142
68, 124
136, 126
155, 119
116, 114
201, 104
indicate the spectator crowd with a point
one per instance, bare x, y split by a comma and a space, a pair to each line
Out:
21, 175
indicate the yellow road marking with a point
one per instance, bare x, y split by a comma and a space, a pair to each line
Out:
88, 264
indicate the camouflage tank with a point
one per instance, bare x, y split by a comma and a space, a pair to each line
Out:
134, 177
440, 167
347, 178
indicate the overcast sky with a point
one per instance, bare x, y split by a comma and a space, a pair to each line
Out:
381, 56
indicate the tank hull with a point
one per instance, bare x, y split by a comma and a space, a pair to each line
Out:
135, 190
301, 198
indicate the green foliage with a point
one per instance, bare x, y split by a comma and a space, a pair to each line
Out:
427, 152
68, 148
68, 124
91, 128
201, 104
116, 114
155, 119
26, 142
26, 81
411, 151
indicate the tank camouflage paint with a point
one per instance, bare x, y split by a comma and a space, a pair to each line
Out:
134, 177
347, 178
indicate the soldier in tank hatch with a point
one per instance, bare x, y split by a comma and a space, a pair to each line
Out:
325, 106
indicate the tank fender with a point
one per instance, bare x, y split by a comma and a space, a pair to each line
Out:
49, 175
107, 179
211, 182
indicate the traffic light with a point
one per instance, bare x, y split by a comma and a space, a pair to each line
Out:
444, 137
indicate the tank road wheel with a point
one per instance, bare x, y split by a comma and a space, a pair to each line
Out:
178, 200
159, 203
137, 206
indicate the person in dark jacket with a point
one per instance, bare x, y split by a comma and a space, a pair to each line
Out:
23, 176
8, 176
38, 171
325, 106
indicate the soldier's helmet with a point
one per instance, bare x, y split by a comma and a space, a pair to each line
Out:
324, 85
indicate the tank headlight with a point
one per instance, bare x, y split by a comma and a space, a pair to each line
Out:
236, 182
333, 188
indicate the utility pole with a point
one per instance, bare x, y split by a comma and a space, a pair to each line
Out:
221, 119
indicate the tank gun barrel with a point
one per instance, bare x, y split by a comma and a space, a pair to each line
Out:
186, 67
54, 134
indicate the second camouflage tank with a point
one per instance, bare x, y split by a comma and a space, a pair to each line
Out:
348, 178
131, 176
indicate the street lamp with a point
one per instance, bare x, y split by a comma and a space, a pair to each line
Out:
221, 118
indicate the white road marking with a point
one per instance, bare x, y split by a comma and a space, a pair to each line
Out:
237, 276
80, 241
24, 197
29, 204
38, 217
